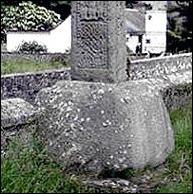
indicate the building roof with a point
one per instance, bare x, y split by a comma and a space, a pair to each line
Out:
135, 21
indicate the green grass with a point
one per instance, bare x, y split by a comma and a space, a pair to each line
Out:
28, 169
27, 65
179, 164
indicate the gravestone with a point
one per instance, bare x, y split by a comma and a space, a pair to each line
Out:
91, 126
98, 41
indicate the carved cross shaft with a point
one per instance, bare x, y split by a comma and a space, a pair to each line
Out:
98, 41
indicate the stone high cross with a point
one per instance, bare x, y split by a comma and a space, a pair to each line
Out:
98, 41
91, 126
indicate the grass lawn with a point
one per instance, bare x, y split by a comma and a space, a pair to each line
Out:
27, 65
179, 165
28, 169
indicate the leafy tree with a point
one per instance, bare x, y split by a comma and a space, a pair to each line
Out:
59, 6
180, 27
26, 17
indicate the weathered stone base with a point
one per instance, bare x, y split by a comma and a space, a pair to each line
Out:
18, 119
16, 112
96, 126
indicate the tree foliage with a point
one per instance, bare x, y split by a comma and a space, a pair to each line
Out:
180, 27
59, 6
27, 16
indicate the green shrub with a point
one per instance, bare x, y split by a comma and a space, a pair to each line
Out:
32, 48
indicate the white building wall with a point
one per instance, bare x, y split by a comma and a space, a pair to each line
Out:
60, 40
132, 41
57, 41
156, 27
14, 39
157, 42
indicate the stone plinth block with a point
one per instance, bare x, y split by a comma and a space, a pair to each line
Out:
16, 112
98, 41
96, 126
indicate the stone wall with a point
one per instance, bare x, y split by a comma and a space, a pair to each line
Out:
27, 85
176, 89
158, 67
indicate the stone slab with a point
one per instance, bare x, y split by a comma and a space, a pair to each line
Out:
16, 112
